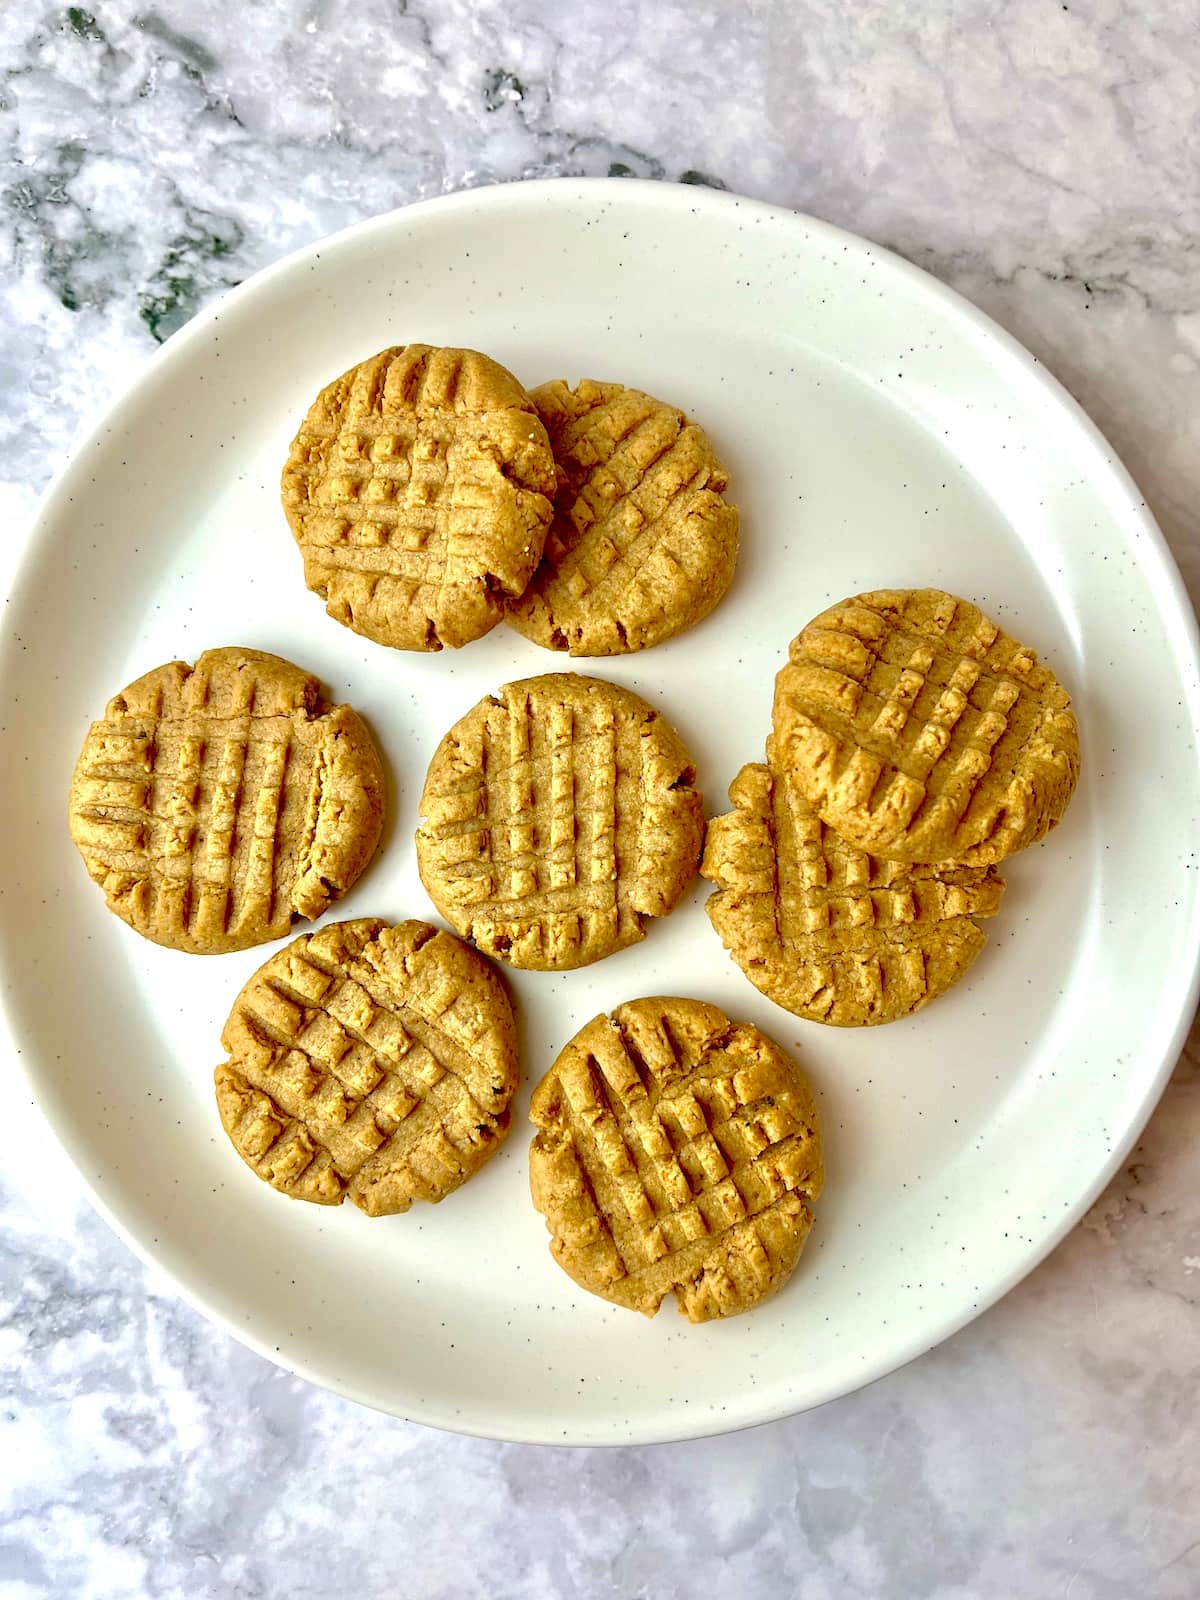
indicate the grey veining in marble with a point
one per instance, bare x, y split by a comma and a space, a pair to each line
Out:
1042, 158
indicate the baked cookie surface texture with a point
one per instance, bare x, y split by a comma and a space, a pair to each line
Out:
825, 930
643, 543
677, 1152
921, 731
216, 805
369, 1061
559, 817
419, 490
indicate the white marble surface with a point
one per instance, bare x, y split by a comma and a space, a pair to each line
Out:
1045, 160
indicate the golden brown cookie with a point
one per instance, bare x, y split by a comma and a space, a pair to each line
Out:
642, 544
921, 731
369, 1061
677, 1152
419, 491
558, 817
218, 804
825, 930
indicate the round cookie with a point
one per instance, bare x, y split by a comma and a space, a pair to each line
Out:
642, 544
677, 1152
419, 490
921, 731
826, 931
369, 1061
558, 817
216, 805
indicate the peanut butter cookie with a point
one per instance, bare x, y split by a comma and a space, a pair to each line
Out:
419, 490
825, 930
676, 1152
216, 805
369, 1061
921, 731
643, 544
559, 816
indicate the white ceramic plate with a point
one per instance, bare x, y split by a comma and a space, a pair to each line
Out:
879, 432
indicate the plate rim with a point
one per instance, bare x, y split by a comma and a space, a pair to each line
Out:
1170, 594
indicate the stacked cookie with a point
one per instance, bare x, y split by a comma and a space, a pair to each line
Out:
915, 745
431, 496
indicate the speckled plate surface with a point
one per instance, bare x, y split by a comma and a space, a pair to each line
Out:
879, 432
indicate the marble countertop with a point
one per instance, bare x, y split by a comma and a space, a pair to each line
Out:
1042, 158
